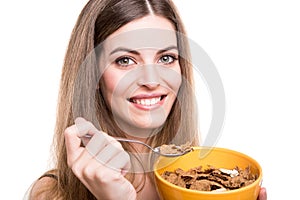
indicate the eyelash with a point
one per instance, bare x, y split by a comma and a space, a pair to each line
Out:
173, 57
119, 60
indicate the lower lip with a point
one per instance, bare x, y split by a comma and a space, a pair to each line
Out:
150, 107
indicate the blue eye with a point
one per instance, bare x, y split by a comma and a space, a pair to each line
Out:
167, 59
124, 61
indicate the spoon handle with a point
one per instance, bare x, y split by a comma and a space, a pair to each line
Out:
120, 139
135, 141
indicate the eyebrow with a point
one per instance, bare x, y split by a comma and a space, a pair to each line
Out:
137, 53
167, 49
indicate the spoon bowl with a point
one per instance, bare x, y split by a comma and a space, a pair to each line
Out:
158, 150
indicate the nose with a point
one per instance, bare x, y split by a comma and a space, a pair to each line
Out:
149, 76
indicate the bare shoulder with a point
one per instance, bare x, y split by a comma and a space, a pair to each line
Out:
41, 189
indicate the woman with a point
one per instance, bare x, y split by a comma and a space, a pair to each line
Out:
124, 88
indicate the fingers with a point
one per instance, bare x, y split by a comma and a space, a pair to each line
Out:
121, 161
108, 152
96, 143
85, 127
101, 147
73, 136
262, 194
101, 164
72, 144
85, 130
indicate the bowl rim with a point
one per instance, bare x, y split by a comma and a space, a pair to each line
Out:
258, 181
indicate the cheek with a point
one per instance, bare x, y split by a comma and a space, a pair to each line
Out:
178, 81
172, 78
109, 84
116, 85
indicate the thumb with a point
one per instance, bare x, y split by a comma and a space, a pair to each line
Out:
73, 144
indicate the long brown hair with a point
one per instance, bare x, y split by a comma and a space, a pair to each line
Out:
98, 20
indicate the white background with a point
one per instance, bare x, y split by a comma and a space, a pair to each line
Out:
255, 46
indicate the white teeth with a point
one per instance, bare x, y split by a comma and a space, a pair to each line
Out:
152, 101
147, 102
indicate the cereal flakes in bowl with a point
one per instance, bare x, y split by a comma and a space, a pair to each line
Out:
208, 174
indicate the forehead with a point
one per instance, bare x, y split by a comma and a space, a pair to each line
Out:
149, 21
147, 32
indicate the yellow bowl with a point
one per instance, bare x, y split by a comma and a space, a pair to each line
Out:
217, 157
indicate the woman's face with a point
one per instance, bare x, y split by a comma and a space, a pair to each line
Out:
141, 75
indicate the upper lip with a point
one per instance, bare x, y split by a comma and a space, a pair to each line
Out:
147, 96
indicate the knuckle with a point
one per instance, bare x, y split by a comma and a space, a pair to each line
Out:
69, 131
125, 156
90, 125
105, 176
101, 177
113, 142
89, 172
118, 145
127, 161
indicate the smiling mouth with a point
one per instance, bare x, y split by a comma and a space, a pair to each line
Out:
147, 101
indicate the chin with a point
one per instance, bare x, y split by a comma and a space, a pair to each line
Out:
142, 129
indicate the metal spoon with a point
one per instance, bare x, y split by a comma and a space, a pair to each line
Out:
155, 150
